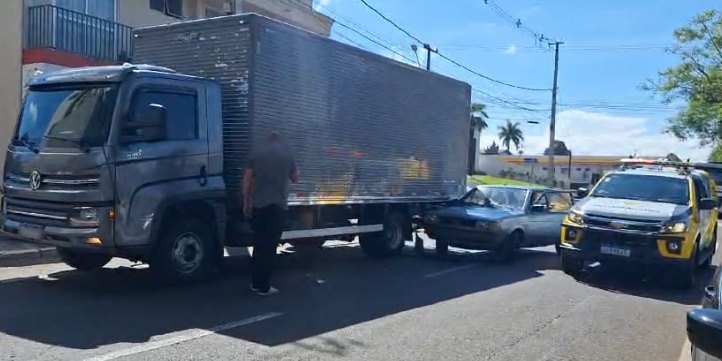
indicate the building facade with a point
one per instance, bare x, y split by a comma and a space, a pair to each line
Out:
47, 35
570, 171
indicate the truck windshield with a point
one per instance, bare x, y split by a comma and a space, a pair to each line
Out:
644, 188
71, 114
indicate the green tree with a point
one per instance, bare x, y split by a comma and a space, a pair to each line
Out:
492, 149
511, 133
696, 80
479, 116
716, 155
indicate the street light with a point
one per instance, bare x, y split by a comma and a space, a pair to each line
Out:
416, 52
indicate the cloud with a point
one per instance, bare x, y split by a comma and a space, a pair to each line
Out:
591, 133
321, 5
511, 50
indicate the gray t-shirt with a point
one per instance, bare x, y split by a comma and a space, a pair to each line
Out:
272, 165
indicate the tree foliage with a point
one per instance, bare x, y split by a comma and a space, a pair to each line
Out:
511, 133
492, 149
560, 148
716, 155
696, 80
479, 116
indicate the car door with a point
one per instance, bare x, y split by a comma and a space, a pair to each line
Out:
706, 228
545, 216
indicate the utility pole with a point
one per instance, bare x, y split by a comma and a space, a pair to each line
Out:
429, 50
552, 123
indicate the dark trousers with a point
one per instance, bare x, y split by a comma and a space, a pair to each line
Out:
268, 224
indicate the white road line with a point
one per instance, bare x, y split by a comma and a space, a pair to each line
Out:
449, 270
686, 354
192, 335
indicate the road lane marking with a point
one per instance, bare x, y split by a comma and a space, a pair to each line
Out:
449, 270
192, 335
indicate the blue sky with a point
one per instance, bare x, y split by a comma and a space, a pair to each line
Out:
611, 47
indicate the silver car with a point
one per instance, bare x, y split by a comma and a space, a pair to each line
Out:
501, 219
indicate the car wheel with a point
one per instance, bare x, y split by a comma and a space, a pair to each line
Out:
571, 265
708, 261
442, 247
506, 252
686, 278
84, 261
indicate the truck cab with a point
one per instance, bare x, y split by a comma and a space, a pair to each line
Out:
100, 154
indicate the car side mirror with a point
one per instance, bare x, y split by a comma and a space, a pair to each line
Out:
582, 192
147, 126
708, 203
704, 329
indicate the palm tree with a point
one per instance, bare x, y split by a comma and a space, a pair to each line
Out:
510, 133
479, 117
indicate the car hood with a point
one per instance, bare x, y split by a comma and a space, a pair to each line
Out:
625, 208
476, 212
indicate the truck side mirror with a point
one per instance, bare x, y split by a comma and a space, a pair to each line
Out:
704, 329
707, 203
147, 125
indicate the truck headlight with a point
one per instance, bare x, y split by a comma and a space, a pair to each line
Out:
576, 218
85, 217
674, 227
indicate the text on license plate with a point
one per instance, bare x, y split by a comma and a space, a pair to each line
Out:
615, 251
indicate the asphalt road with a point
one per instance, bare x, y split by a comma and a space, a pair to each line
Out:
344, 305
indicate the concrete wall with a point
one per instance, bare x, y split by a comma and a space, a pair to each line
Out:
295, 12
137, 13
11, 25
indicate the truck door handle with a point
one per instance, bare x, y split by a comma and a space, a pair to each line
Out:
204, 177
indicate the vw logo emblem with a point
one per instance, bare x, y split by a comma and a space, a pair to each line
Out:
35, 180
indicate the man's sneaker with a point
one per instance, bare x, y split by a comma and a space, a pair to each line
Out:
271, 291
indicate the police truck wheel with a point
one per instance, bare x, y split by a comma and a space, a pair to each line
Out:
84, 261
571, 265
186, 252
506, 251
387, 243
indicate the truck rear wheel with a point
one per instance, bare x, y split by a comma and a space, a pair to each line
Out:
186, 252
84, 261
388, 243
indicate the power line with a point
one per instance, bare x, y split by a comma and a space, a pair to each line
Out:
351, 41
415, 38
513, 105
541, 38
376, 42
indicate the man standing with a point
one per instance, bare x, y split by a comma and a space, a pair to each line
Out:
265, 201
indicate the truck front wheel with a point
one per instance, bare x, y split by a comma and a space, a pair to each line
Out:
390, 242
84, 261
186, 252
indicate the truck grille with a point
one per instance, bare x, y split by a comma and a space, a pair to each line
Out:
57, 182
614, 224
43, 213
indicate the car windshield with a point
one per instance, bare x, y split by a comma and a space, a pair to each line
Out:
644, 188
498, 196
56, 115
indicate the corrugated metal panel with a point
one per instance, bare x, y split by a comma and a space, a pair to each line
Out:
363, 127
218, 50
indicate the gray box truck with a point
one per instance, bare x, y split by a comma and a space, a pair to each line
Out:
145, 162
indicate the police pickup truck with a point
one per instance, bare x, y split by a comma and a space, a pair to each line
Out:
653, 213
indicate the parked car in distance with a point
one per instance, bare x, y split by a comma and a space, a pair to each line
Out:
501, 219
704, 326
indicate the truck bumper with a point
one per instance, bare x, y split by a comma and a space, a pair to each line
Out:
79, 238
635, 249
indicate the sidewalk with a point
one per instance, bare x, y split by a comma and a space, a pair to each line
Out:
13, 253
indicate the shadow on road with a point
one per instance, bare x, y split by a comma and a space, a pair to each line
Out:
338, 289
647, 284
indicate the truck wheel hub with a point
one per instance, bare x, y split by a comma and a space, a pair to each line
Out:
187, 252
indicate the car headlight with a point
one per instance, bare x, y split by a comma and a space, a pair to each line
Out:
487, 226
674, 227
576, 218
85, 217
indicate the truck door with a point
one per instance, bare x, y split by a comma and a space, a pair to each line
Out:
150, 172
706, 228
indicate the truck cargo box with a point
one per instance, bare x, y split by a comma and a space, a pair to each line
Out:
363, 128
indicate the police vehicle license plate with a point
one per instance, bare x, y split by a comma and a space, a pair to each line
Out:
30, 232
615, 251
